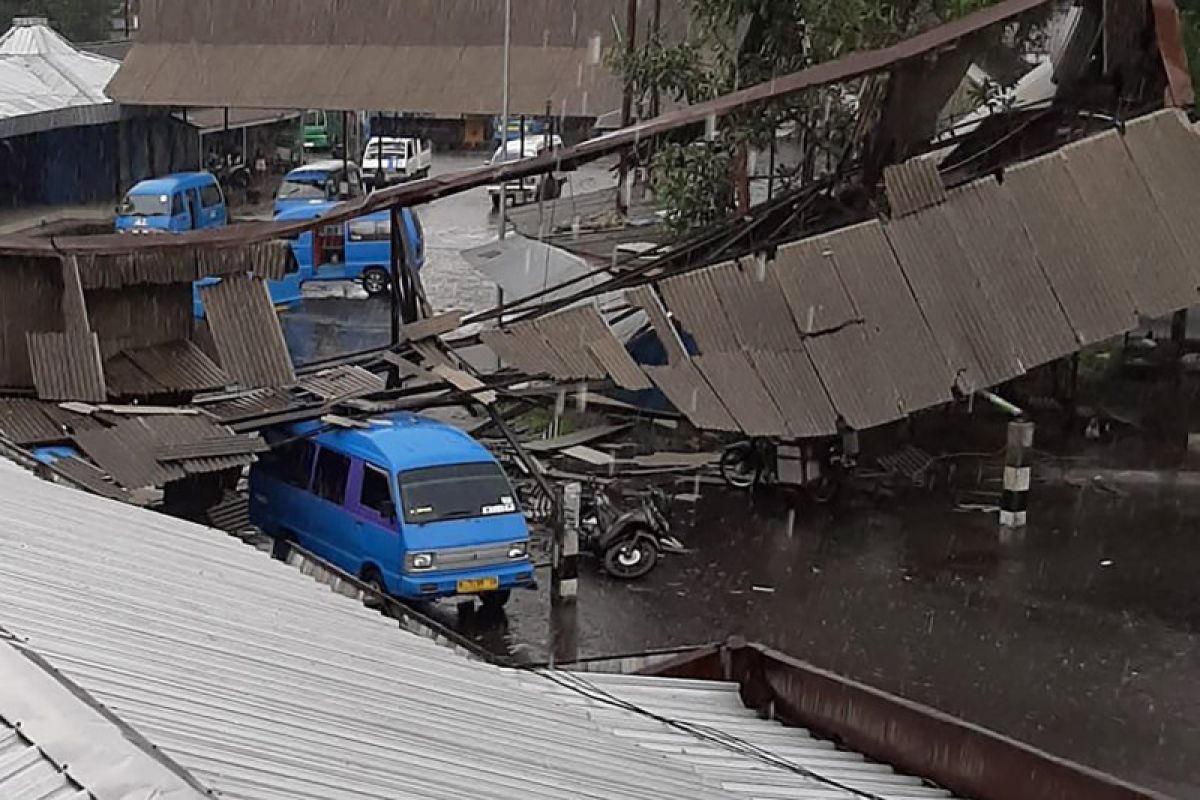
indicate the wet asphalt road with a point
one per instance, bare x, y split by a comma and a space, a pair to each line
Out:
1082, 637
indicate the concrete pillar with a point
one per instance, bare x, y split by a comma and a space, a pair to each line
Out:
564, 572
1014, 502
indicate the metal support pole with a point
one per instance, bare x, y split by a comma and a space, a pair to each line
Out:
344, 187
1014, 502
627, 106
394, 257
564, 572
504, 129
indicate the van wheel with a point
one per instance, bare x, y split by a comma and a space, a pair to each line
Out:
281, 545
494, 600
372, 578
375, 281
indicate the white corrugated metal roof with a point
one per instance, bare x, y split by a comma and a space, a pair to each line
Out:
26, 772
264, 685
41, 73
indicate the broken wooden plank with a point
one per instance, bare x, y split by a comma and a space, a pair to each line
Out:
409, 369
344, 422
467, 383
434, 326
212, 448
148, 411
585, 436
589, 455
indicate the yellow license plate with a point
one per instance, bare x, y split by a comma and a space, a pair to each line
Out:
478, 585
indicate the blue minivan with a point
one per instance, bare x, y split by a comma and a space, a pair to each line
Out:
173, 203
359, 250
415, 508
319, 182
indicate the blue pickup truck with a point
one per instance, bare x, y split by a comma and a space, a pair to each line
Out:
412, 507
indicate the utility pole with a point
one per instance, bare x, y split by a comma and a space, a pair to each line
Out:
504, 127
627, 105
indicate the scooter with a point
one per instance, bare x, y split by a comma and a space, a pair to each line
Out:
628, 543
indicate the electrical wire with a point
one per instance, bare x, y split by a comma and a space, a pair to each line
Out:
583, 687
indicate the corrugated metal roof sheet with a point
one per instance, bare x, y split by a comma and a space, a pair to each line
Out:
754, 305
56, 744
646, 299
46, 83
689, 392
274, 57
1132, 230
263, 684
66, 366
247, 333
735, 380
896, 329
792, 382
1090, 287
960, 315
23, 422
823, 772
179, 367
342, 382
693, 300
1164, 149
90, 477
247, 405
607, 351
1007, 268
913, 185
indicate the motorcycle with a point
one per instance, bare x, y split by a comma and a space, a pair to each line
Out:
822, 469
627, 543
230, 171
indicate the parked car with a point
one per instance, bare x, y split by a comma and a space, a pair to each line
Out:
391, 159
173, 203
319, 182
525, 190
359, 250
412, 507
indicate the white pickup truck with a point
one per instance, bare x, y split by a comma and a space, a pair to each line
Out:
526, 190
392, 159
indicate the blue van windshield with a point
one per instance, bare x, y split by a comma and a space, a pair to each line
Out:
461, 491
302, 188
145, 205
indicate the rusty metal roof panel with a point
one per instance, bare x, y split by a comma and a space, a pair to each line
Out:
1090, 286
645, 298
737, 383
342, 382
606, 350
960, 315
692, 299
126, 452
798, 393
67, 366
1004, 262
90, 477
690, 393
1133, 233
913, 185
1164, 149
23, 422
247, 333
754, 305
808, 279
858, 384
179, 367
895, 327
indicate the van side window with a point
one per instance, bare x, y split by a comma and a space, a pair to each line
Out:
376, 492
329, 482
176, 205
367, 230
291, 462
210, 196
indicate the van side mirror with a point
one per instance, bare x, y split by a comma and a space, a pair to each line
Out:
388, 509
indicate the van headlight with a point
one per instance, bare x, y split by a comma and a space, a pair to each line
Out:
518, 550
420, 561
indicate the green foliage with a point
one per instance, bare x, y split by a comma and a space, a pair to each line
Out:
78, 20
733, 44
1189, 11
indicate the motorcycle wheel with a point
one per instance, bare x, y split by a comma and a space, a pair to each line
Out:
631, 558
738, 468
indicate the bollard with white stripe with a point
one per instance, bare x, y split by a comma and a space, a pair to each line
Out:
564, 572
1014, 502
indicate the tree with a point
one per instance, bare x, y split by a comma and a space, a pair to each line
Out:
78, 20
733, 44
